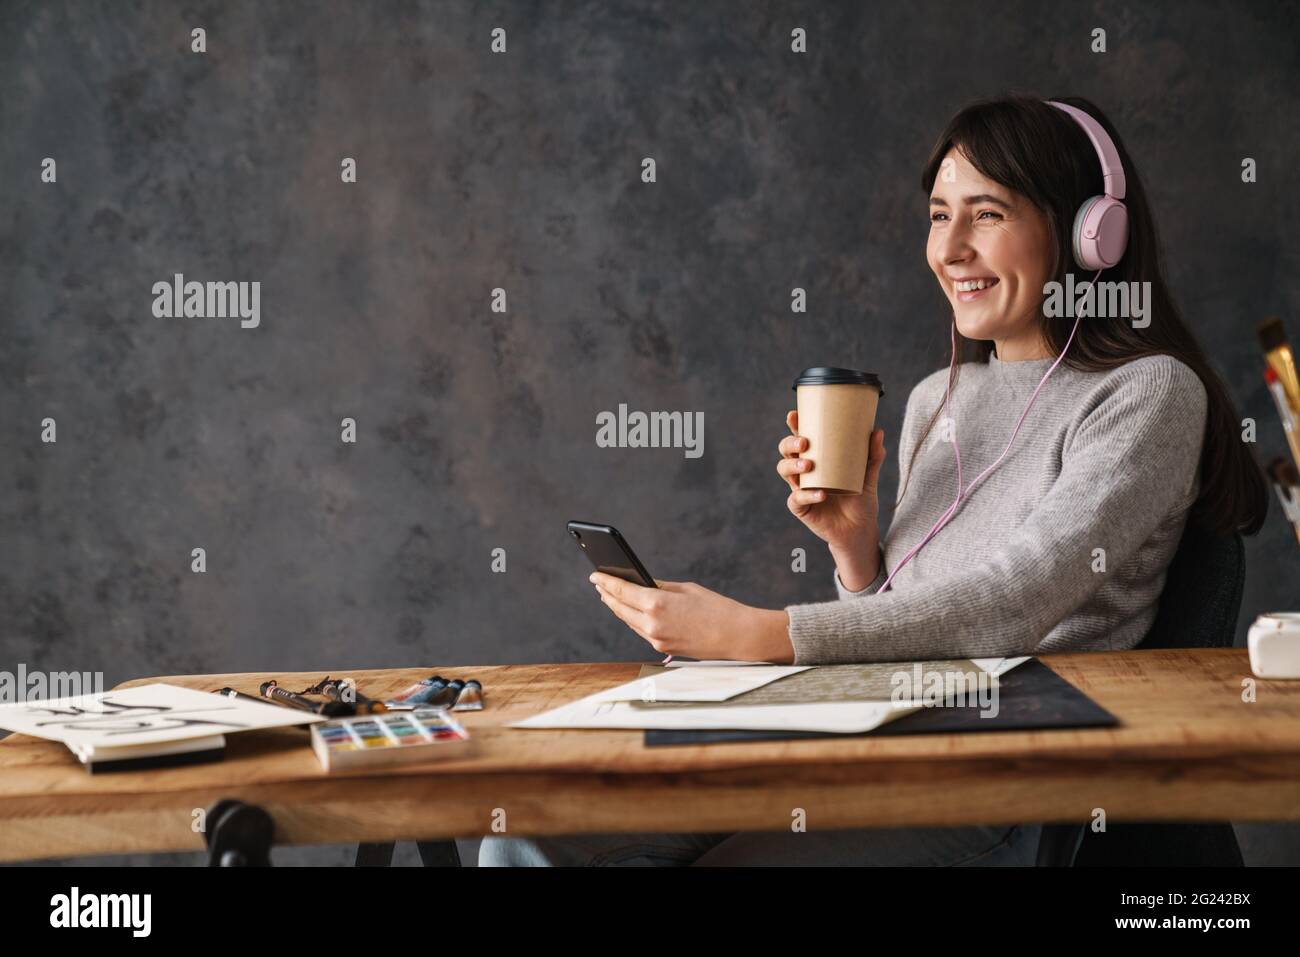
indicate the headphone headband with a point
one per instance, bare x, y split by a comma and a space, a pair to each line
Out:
1112, 171
1100, 231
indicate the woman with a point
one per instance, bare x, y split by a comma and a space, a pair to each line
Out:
1062, 547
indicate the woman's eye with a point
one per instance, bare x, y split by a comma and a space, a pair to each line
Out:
937, 217
990, 212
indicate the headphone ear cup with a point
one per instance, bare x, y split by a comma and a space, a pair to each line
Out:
1100, 233
1076, 233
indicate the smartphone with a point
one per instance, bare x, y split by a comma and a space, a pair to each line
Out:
610, 552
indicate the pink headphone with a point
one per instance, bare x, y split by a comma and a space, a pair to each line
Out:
1101, 224
1100, 236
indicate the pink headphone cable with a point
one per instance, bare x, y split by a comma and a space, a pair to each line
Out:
963, 495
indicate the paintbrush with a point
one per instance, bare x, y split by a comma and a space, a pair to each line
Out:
1280, 358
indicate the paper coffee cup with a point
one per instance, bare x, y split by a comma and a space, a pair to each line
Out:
837, 411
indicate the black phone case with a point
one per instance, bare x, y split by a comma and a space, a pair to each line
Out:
609, 552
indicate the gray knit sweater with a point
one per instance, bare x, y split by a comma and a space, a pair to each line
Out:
1063, 548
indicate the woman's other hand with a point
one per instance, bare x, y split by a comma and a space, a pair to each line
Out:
839, 520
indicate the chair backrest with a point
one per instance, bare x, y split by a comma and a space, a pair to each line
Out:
1202, 594
1198, 609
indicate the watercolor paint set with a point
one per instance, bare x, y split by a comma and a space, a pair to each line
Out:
425, 734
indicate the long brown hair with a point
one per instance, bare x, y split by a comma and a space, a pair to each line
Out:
1039, 152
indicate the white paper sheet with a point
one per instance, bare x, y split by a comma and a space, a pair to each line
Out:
998, 666
145, 715
713, 683
845, 717
713, 663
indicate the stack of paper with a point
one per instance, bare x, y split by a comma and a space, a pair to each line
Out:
847, 699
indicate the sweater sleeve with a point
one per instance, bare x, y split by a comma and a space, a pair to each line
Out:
1128, 462
869, 589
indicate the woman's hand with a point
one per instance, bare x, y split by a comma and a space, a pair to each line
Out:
841, 521
683, 618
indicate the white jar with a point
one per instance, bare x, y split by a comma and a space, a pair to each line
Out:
1274, 645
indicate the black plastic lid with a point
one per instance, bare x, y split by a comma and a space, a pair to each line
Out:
830, 375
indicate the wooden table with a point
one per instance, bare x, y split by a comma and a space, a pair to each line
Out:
1188, 748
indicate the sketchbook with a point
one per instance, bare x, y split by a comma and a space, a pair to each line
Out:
156, 714
133, 757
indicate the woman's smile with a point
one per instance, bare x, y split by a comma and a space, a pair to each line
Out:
969, 289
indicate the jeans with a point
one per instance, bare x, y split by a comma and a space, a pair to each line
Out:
1002, 845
